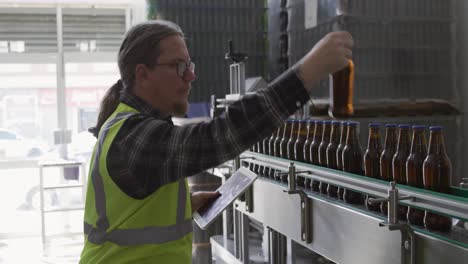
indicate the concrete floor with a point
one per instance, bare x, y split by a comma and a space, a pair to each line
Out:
20, 222
63, 250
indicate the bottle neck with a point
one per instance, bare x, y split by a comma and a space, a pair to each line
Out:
294, 130
302, 133
273, 135
287, 130
318, 132
326, 132
351, 138
310, 131
335, 134
418, 142
343, 134
436, 143
390, 139
374, 140
403, 140
280, 131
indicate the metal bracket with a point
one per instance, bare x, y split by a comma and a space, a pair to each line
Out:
306, 221
247, 196
408, 241
291, 179
249, 199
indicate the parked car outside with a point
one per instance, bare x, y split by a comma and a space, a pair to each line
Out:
13, 145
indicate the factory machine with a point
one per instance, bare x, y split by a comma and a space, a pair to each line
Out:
341, 232
277, 221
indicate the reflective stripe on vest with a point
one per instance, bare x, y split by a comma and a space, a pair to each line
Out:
136, 236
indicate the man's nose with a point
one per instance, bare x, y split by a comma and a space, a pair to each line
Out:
189, 76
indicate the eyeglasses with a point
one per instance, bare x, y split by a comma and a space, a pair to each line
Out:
181, 67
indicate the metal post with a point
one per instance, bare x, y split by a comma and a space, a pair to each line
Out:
237, 78
245, 254
306, 220
237, 233
392, 204
241, 78
292, 177
41, 190
227, 218
83, 174
61, 92
277, 250
290, 251
408, 239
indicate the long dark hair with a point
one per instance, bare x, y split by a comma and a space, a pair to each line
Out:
139, 46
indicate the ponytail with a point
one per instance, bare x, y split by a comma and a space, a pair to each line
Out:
109, 103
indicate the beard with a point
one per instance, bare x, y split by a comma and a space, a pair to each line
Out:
180, 108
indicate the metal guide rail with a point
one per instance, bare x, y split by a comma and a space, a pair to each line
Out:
446, 204
329, 224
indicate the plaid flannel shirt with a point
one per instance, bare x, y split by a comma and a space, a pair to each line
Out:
149, 151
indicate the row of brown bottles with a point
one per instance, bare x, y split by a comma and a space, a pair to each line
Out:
406, 160
317, 142
335, 145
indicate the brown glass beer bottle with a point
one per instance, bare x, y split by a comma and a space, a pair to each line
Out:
299, 147
300, 142
285, 139
341, 92
437, 171
310, 138
292, 139
372, 159
352, 162
313, 152
399, 163
332, 190
339, 153
414, 175
386, 157
284, 144
270, 150
277, 142
322, 152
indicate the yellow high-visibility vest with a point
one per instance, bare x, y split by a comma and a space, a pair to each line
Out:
122, 229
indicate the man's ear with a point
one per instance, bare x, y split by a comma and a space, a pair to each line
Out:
141, 73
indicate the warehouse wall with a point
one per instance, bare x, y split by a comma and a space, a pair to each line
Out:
209, 25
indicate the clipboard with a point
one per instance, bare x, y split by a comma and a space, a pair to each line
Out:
230, 190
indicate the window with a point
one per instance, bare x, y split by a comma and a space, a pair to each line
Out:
30, 109
17, 46
28, 30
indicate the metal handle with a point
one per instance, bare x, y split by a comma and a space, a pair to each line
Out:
287, 173
380, 200
291, 176
306, 227
306, 220
392, 200
408, 243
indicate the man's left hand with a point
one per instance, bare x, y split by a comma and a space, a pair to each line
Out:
199, 199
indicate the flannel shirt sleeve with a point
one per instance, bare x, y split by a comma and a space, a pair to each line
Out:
158, 152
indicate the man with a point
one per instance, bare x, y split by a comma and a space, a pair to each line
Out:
138, 208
